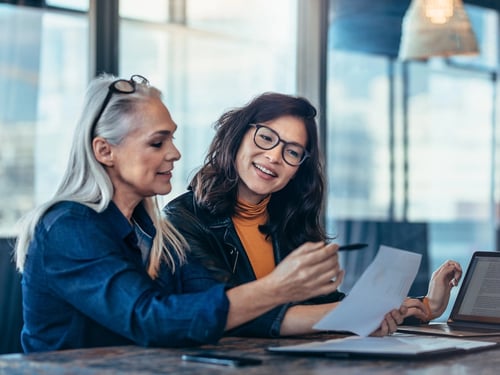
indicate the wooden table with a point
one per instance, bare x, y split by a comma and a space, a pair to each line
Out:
138, 360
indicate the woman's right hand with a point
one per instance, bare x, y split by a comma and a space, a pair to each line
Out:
391, 321
310, 270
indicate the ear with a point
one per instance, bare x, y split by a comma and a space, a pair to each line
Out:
103, 151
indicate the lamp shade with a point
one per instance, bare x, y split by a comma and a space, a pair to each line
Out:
436, 28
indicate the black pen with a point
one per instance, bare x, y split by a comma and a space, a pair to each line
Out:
353, 246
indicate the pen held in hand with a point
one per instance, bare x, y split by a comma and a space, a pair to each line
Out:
353, 246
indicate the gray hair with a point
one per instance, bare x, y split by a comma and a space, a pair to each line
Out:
86, 181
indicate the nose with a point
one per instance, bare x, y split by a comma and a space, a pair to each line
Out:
275, 154
172, 153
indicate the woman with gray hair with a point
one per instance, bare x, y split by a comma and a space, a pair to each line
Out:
100, 264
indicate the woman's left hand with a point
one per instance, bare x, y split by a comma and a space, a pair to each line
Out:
438, 295
442, 281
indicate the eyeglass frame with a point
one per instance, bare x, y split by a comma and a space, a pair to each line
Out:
305, 155
113, 88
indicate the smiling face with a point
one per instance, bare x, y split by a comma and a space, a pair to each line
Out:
263, 172
141, 165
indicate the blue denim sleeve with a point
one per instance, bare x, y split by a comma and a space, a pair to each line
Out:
266, 325
85, 266
269, 324
195, 278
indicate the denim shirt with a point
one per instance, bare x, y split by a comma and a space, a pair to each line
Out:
85, 285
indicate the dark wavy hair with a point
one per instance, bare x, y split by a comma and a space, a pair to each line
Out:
295, 210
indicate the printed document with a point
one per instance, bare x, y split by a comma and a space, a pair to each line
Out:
383, 286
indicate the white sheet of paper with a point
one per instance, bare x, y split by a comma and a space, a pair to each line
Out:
397, 344
382, 287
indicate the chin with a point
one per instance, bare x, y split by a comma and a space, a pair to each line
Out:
163, 191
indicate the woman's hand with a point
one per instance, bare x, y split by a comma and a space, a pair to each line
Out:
391, 321
418, 309
438, 295
442, 281
311, 270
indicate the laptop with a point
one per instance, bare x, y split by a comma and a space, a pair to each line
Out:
476, 311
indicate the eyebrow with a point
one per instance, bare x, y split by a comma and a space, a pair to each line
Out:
163, 132
292, 142
284, 140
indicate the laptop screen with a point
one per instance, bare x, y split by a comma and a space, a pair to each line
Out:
478, 299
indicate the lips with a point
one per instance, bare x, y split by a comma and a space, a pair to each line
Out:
265, 170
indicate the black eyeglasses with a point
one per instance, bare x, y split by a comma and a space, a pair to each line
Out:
267, 139
120, 86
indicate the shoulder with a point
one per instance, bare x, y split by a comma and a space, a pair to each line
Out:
188, 216
184, 202
67, 210
185, 207
64, 227
80, 231
183, 212
76, 217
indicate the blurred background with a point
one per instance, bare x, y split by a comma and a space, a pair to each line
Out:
411, 147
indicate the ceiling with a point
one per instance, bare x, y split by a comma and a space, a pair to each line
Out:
374, 26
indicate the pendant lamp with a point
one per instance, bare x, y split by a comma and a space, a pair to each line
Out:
436, 28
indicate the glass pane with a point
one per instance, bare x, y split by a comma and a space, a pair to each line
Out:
152, 10
82, 5
358, 142
416, 143
44, 74
210, 63
272, 22
450, 149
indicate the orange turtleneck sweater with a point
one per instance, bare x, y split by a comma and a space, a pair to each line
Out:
246, 220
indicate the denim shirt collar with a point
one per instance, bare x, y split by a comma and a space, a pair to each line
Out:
122, 226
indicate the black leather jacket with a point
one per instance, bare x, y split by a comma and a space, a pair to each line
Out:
214, 242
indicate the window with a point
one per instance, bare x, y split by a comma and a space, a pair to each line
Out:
203, 59
415, 142
44, 73
210, 61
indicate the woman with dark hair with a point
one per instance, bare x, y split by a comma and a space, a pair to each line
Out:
258, 198
295, 207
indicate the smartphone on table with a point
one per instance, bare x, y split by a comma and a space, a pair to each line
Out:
221, 359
